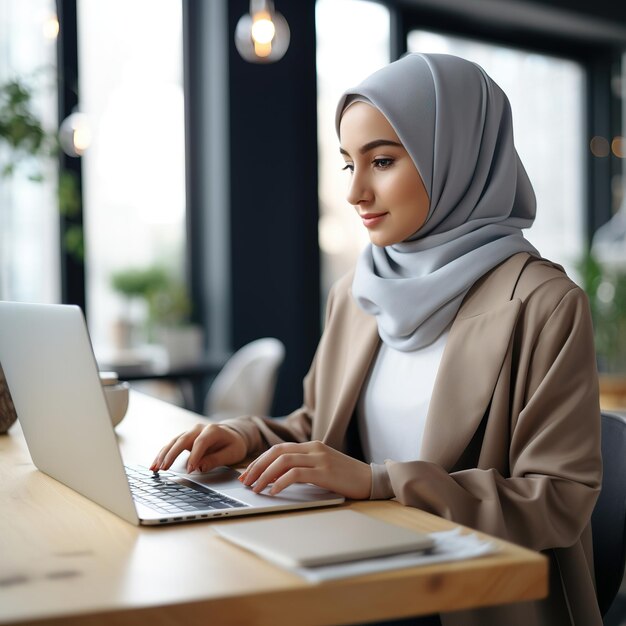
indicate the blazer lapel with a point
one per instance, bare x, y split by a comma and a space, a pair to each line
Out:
464, 385
364, 342
477, 345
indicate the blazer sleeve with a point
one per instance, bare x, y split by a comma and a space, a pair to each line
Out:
260, 433
554, 459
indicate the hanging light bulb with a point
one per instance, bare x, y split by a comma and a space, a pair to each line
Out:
262, 32
75, 134
50, 27
262, 36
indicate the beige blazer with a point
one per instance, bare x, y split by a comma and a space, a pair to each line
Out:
512, 439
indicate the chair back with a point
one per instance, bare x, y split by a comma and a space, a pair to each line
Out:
246, 383
608, 521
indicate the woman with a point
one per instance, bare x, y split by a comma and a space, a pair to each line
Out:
455, 362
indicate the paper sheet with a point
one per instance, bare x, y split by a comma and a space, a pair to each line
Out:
450, 545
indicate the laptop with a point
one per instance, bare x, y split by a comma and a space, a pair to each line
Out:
53, 378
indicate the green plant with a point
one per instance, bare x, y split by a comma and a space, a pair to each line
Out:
21, 129
139, 282
31, 145
165, 296
172, 306
606, 288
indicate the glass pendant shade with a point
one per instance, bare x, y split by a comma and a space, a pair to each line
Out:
262, 36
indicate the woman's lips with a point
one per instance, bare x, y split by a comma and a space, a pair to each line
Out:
372, 219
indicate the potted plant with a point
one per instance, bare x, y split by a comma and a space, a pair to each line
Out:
137, 285
605, 285
167, 311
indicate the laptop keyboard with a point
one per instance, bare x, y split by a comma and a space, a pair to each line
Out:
164, 495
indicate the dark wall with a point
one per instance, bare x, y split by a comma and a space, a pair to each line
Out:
274, 206
610, 10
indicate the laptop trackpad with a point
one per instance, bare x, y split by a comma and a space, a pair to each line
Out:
226, 479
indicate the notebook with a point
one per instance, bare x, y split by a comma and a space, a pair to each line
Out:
324, 538
53, 378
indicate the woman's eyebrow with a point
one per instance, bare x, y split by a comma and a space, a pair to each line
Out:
370, 145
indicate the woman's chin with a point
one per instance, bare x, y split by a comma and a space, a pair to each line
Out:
381, 240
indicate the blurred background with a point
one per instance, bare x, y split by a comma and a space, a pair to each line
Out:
171, 167
187, 192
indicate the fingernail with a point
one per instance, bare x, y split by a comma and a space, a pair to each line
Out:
190, 469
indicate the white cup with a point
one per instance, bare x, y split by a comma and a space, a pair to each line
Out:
116, 395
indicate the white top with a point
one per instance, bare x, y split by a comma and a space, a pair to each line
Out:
394, 402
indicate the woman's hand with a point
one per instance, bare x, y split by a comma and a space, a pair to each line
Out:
312, 462
210, 446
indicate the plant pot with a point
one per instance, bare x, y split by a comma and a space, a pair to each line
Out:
184, 344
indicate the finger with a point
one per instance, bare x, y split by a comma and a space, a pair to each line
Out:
227, 444
293, 476
208, 442
280, 466
216, 459
262, 462
184, 442
154, 466
158, 461
259, 465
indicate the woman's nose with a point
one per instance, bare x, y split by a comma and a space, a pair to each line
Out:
359, 190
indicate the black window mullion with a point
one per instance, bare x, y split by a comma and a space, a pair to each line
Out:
71, 223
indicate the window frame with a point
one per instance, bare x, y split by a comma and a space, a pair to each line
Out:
601, 61
72, 270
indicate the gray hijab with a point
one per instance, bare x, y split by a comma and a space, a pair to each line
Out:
455, 123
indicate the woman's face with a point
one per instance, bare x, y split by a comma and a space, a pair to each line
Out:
385, 187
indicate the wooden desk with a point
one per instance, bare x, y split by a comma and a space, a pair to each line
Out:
64, 560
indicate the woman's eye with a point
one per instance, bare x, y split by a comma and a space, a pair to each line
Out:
349, 167
382, 164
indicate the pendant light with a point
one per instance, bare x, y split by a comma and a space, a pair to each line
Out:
262, 35
75, 134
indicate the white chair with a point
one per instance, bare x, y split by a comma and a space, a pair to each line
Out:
246, 383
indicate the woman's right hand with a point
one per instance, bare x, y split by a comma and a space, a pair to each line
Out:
210, 445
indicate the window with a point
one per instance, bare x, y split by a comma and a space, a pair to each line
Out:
352, 42
29, 217
131, 90
547, 98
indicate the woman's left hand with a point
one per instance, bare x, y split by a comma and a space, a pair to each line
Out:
312, 462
